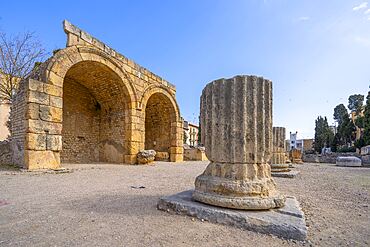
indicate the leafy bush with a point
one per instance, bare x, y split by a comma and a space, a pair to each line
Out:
346, 150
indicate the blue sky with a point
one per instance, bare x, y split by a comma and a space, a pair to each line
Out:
317, 53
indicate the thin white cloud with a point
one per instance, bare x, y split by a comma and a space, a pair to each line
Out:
361, 6
365, 41
367, 12
303, 18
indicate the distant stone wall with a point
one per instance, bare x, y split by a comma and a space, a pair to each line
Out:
18, 127
6, 153
4, 116
326, 158
365, 160
195, 154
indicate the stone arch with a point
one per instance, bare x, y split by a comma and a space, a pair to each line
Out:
153, 89
99, 100
64, 59
163, 125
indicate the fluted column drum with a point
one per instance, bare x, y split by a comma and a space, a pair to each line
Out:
236, 127
278, 160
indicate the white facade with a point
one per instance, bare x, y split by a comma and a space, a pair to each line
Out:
294, 143
191, 134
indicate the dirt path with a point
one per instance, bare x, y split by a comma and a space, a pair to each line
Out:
103, 205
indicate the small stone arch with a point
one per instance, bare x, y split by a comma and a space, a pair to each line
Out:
163, 124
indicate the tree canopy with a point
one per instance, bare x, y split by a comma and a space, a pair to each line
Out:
355, 103
323, 135
366, 134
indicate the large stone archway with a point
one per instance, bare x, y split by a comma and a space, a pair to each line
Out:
87, 103
95, 113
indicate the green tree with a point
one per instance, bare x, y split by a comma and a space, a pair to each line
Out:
340, 113
346, 127
355, 103
366, 134
360, 122
323, 135
335, 143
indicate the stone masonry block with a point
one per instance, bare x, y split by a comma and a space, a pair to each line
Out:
177, 142
70, 28
38, 97
32, 111
35, 85
35, 141
130, 159
176, 157
54, 142
41, 127
51, 114
53, 90
56, 101
87, 37
35, 160
176, 150
55, 79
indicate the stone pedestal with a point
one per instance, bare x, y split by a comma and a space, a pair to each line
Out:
278, 160
236, 126
296, 156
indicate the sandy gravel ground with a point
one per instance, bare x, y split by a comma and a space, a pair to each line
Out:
102, 205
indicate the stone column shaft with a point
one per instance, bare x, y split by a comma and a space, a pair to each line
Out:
236, 126
278, 161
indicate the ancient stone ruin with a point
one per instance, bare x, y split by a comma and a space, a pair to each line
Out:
278, 160
236, 125
295, 156
88, 103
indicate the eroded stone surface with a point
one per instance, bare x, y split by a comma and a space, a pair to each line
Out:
286, 222
146, 156
236, 126
349, 161
296, 156
88, 103
289, 174
278, 160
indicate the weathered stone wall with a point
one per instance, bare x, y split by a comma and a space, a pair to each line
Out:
102, 110
195, 154
4, 117
158, 118
365, 160
326, 158
81, 121
6, 153
18, 128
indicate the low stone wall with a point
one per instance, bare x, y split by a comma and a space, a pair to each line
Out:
6, 153
326, 158
195, 154
365, 160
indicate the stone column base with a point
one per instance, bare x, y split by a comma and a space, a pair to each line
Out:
239, 186
280, 168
